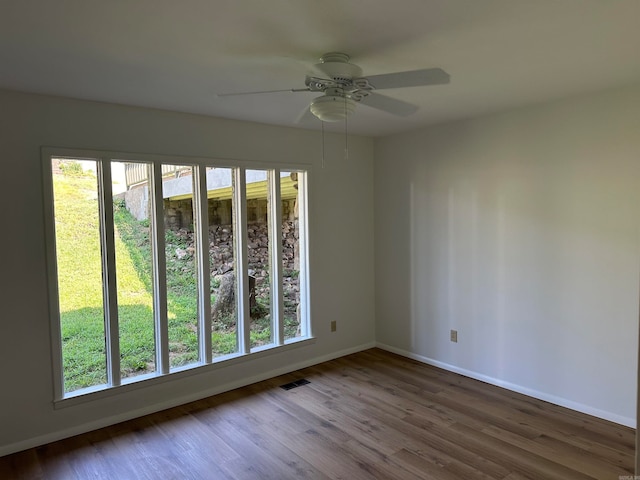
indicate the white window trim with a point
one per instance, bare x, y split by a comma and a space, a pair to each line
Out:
115, 384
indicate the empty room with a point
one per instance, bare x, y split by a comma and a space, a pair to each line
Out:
338, 239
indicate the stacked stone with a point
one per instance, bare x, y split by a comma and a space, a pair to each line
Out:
258, 252
221, 249
221, 255
290, 243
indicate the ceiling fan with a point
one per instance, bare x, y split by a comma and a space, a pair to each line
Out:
343, 87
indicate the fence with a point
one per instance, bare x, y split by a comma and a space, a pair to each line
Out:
136, 173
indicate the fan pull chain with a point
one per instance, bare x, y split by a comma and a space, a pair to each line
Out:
346, 132
322, 123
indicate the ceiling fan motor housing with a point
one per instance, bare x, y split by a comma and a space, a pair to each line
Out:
337, 67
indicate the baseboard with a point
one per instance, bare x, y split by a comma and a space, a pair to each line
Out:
563, 402
174, 402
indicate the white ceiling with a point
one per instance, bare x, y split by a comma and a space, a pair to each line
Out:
178, 55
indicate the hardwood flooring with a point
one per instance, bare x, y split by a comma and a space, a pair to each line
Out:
368, 415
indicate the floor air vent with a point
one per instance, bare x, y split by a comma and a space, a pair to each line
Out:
297, 383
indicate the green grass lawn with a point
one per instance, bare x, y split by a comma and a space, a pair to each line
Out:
80, 288
81, 297
79, 281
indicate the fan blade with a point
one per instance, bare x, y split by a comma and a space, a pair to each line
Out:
413, 78
263, 91
390, 105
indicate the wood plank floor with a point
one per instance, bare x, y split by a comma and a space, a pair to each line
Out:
368, 415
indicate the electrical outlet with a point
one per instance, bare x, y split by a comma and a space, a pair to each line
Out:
454, 336
333, 326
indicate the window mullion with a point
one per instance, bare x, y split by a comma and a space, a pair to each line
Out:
303, 229
275, 253
109, 284
241, 261
201, 216
159, 269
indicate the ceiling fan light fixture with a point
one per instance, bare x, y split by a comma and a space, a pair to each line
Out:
332, 108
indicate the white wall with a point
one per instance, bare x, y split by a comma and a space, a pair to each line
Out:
519, 230
341, 265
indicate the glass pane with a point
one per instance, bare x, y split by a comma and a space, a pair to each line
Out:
134, 272
224, 316
261, 331
79, 264
290, 254
182, 282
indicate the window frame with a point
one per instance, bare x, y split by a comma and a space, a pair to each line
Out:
207, 362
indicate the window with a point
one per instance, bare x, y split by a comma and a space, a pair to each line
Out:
163, 266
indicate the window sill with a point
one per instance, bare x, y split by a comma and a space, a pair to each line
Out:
144, 381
